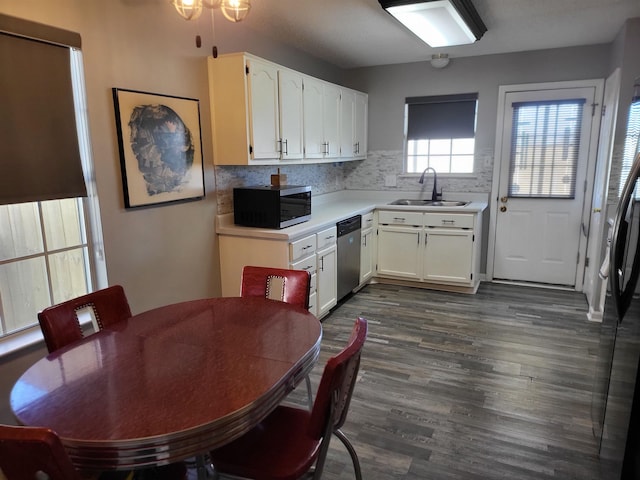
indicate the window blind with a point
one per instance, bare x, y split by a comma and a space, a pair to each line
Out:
631, 142
39, 152
441, 117
545, 144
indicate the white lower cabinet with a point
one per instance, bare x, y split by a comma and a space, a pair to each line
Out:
367, 248
448, 255
327, 279
399, 251
434, 248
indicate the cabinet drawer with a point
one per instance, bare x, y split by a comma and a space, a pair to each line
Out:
301, 248
325, 238
395, 217
367, 221
308, 263
456, 220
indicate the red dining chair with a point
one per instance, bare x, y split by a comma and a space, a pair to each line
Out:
25, 451
31, 453
290, 440
60, 325
289, 286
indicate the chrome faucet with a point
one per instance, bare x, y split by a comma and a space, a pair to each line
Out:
435, 196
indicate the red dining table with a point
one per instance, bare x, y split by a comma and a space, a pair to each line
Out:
170, 383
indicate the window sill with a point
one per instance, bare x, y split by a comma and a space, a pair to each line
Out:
31, 337
12, 344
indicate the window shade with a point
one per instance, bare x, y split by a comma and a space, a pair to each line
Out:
39, 153
545, 143
445, 116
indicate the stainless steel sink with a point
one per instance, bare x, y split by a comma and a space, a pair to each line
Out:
428, 203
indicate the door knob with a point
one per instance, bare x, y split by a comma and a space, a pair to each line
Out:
504, 199
503, 208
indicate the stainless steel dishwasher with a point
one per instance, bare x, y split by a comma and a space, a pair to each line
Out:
348, 255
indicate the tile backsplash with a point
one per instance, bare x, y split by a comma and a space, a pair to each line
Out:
369, 174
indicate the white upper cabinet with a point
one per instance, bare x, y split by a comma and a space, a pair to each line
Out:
347, 116
291, 114
331, 120
313, 123
361, 111
353, 124
321, 119
265, 114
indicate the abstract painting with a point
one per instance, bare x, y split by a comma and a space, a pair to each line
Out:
160, 148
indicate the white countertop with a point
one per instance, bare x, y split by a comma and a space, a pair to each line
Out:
328, 209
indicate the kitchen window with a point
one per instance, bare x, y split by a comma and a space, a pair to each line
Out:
440, 133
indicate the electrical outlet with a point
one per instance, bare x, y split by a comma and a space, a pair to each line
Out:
390, 180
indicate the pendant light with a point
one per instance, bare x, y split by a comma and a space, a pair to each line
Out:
233, 10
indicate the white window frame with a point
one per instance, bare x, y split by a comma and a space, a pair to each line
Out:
90, 211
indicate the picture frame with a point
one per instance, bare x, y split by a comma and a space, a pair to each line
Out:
160, 145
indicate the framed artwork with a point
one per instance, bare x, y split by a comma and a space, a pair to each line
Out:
160, 148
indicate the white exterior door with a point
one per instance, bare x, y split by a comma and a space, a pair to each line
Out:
545, 152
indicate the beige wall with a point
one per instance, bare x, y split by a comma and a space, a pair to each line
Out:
168, 253
161, 254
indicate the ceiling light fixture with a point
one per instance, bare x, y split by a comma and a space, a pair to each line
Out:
439, 23
440, 60
233, 10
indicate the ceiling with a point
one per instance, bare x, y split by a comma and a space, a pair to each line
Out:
359, 33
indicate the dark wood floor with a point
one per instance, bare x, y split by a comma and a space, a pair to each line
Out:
495, 385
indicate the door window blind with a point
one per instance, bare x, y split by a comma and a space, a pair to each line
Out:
545, 142
631, 141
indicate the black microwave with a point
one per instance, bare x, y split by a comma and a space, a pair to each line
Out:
271, 206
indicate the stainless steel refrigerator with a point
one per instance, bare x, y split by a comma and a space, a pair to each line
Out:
616, 395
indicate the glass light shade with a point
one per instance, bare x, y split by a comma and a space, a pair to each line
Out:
188, 9
235, 10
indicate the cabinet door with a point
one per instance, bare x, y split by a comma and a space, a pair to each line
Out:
399, 252
366, 255
313, 133
347, 112
264, 111
448, 255
360, 124
290, 96
331, 120
327, 272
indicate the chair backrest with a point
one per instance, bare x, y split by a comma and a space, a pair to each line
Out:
290, 286
336, 385
60, 325
25, 451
